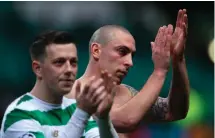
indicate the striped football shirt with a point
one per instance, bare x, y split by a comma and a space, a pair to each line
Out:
30, 117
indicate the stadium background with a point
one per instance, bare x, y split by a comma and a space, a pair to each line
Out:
20, 22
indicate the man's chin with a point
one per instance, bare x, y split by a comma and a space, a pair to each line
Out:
65, 91
118, 83
118, 80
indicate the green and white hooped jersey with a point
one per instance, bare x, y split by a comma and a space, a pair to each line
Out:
29, 117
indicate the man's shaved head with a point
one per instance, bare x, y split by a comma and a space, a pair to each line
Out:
111, 48
106, 33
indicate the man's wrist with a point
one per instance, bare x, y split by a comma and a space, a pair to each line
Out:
104, 119
160, 72
79, 118
83, 109
178, 61
81, 114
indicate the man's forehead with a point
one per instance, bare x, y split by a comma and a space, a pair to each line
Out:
63, 50
126, 40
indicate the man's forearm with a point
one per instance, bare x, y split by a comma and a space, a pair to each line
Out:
131, 113
179, 93
106, 128
76, 125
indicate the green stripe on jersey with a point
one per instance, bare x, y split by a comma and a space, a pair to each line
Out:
90, 125
24, 98
54, 117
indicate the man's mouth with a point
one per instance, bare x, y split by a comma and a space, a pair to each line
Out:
122, 73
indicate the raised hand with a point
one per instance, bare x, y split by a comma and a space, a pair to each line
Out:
161, 48
105, 106
179, 36
90, 96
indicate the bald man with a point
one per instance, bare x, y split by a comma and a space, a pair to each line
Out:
112, 47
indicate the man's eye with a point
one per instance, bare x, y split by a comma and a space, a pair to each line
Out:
122, 51
59, 61
74, 62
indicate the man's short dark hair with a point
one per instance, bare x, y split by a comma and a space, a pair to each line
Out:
37, 49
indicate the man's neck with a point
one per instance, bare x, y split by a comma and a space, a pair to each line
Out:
43, 93
92, 70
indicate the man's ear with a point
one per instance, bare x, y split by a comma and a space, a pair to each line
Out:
95, 50
36, 66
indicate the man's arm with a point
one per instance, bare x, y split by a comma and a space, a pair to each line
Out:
77, 124
102, 128
179, 92
176, 106
27, 126
106, 128
141, 106
126, 115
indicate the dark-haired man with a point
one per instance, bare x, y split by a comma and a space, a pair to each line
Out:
44, 112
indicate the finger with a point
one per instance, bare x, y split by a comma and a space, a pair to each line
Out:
165, 35
170, 29
109, 85
77, 89
182, 18
168, 44
179, 18
101, 108
184, 30
184, 11
186, 24
97, 93
158, 34
166, 30
104, 73
91, 79
95, 85
180, 45
185, 19
113, 92
162, 39
163, 30
88, 84
152, 45
101, 97
107, 78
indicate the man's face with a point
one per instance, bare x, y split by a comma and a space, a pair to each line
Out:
116, 56
59, 68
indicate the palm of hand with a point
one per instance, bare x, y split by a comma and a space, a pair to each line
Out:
105, 106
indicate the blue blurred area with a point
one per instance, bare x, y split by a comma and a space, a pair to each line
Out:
22, 21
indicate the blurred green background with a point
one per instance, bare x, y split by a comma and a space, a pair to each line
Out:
20, 22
